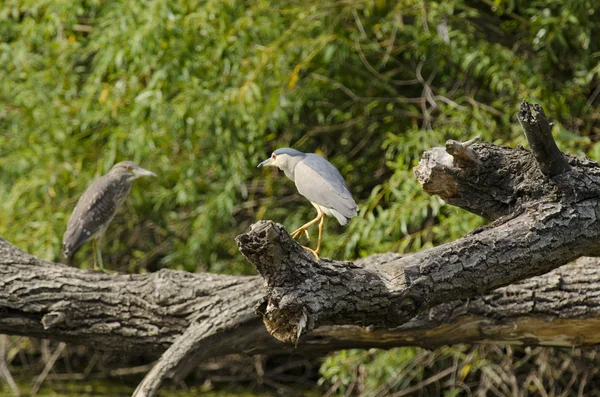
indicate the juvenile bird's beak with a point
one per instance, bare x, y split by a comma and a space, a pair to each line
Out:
140, 172
266, 162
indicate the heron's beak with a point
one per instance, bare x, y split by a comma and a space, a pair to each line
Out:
140, 172
266, 162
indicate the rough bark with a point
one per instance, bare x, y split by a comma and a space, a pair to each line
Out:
135, 313
538, 131
545, 208
545, 211
147, 313
304, 294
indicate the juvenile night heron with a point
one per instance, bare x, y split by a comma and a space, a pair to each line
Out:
320, 182
97, 207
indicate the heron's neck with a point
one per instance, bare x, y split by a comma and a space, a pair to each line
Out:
290, 168
290, 172
125, 190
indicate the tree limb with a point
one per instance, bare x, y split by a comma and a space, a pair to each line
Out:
538, 131
568, 294
106, 312
542, 224
302, 291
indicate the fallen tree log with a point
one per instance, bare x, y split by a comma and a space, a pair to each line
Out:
544, 207
147, 313
133, 314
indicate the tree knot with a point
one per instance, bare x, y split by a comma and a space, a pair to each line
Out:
52, 319
285, 321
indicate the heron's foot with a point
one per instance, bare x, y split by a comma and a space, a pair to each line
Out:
298, 232
105, 271
99, 266
101, 269
312, 251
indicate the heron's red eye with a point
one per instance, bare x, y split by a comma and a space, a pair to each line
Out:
274, 156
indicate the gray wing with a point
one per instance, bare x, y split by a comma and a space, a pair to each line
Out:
320, 182
95, 208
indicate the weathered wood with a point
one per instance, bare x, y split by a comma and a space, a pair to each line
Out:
538, 131
135, 313
147, 313
155, 309
544, 219
304, 294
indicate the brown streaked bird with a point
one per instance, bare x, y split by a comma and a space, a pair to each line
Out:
97, 207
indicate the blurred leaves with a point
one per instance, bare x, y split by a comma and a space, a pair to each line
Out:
200, 92
462, 371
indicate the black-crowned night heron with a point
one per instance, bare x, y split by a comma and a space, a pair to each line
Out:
97, 207
320, 182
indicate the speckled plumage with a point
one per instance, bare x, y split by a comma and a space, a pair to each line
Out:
98, 205
94, 211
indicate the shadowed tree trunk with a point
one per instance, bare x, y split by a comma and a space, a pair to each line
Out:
544, 207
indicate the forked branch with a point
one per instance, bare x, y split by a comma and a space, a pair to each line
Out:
542, 223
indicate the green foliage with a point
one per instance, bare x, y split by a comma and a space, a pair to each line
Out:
200, 92
462, 371
389, 371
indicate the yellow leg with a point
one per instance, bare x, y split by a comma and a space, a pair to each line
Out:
302, 229
98, 263
321, 225
94, 244
312, 251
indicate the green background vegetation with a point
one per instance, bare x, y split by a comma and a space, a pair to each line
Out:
200, 92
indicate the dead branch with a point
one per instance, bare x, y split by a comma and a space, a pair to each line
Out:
538, 131
545, 219
545, 216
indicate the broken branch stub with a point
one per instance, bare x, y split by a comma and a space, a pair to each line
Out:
462, 153
496, 183
301, 290
538, 131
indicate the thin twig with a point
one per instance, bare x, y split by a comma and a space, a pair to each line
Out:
49, 364
582, 384
333, 389
426, 97
359, 24
115, 373
4, 371
424, 383
357, 98
390, 46
592, 98
380, 76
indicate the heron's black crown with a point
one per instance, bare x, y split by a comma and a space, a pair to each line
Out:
289, 151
